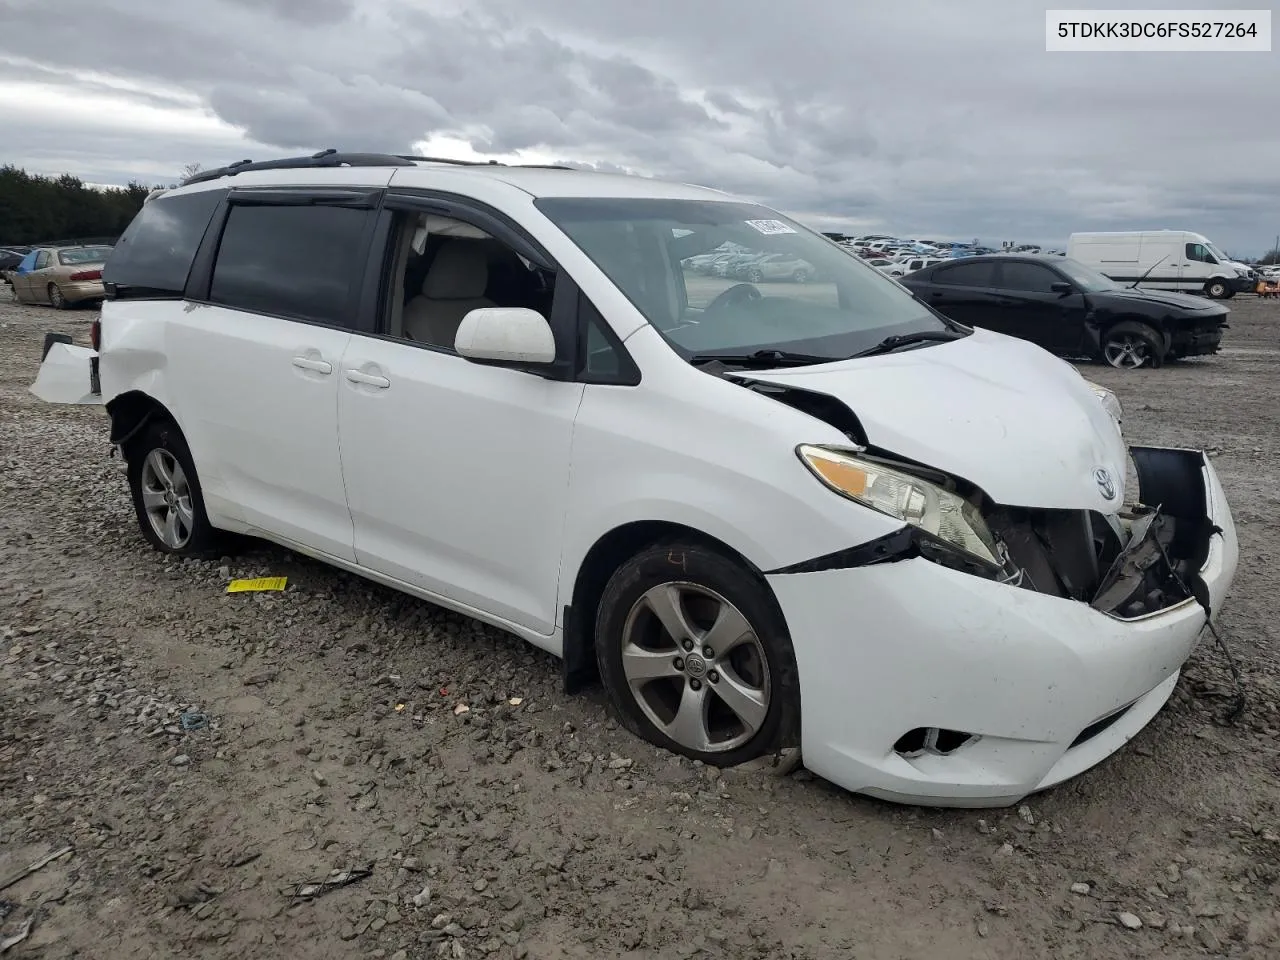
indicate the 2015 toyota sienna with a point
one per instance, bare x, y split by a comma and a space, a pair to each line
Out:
813, 515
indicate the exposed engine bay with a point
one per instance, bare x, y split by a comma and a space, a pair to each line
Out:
1137, 562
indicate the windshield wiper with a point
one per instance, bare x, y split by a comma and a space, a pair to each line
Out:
889, 344
766, 358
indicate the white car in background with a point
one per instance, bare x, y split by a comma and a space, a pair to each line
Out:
766, 517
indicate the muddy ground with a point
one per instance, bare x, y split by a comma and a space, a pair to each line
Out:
531, 825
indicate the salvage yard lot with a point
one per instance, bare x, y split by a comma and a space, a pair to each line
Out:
529, 824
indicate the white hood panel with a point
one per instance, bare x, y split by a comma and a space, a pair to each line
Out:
997, 411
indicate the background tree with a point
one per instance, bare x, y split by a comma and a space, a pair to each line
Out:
37, 209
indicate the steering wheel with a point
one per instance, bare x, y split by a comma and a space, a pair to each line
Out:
738, 293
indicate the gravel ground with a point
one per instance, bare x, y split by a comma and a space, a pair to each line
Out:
530, 825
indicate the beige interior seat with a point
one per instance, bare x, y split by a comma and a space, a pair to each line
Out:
453, 287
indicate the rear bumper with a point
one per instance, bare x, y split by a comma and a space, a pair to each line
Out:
81, 292
1046, 687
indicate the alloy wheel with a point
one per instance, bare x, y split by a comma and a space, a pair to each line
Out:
1127, 351
166, 496
696, 667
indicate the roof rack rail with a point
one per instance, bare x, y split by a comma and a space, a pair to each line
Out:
482, 163
325, 158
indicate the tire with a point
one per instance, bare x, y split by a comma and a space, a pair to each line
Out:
698, 589
1131, 345
800, 276
755, 276
161, 448
56, 297
1217, 289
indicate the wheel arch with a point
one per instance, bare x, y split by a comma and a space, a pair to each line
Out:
1157, 326
599, 564
130, 412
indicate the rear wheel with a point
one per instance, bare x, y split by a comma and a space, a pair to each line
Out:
696, 655
57, 298
166, 493
755, 276
1130, 346
800, 276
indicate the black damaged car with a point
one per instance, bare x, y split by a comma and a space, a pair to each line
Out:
1070, 309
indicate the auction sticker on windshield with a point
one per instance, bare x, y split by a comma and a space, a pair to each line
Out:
769, 226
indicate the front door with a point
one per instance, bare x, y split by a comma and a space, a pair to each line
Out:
255, 366
1029, 308
457, 473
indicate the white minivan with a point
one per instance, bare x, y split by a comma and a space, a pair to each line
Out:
1162, 260
764, 516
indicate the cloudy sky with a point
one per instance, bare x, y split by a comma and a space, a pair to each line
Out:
922, 117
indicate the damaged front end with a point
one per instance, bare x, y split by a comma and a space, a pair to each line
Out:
1143, 560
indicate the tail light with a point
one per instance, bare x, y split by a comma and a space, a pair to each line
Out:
95, 334
86, 275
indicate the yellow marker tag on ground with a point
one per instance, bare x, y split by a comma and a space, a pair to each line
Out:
253, 586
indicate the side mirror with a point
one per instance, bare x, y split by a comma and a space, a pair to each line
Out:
506, 335
1061, 286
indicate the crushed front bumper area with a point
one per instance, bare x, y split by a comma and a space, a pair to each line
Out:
927, 684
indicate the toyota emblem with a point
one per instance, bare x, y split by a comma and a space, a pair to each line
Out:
1106, 485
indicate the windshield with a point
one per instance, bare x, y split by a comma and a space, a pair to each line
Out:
1086, 278
84, 255
1217, 254
811, 298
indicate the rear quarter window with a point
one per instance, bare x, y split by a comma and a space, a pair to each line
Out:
153, 256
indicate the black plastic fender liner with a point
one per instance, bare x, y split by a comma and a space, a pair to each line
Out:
50, 339
1171, 479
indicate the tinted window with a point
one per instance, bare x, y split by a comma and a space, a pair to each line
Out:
1030, 277
153, 256
291, 261
966, 274
1199, 253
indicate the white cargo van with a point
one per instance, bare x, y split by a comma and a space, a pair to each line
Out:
1162, 260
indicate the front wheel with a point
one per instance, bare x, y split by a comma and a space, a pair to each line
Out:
800, 276
1217, 289
755, 276
1130, 346
696, 656
57, 298
166, 493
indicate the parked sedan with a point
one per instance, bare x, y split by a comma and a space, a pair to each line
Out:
61, 276
1070, 309
775, 266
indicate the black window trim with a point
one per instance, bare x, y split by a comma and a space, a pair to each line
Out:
200, 278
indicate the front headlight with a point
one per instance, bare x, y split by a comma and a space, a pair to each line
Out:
931, 508
1110, 402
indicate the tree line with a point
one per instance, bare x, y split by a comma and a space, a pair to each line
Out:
38, 209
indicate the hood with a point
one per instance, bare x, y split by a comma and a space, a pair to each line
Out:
999, 412
1161, 298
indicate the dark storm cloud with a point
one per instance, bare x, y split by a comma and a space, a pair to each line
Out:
925, 117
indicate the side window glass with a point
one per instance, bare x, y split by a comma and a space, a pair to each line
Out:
291, 261
1028, 277
966, 275
153, 256
442, 268
42, 259
1198, 252
604, 359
